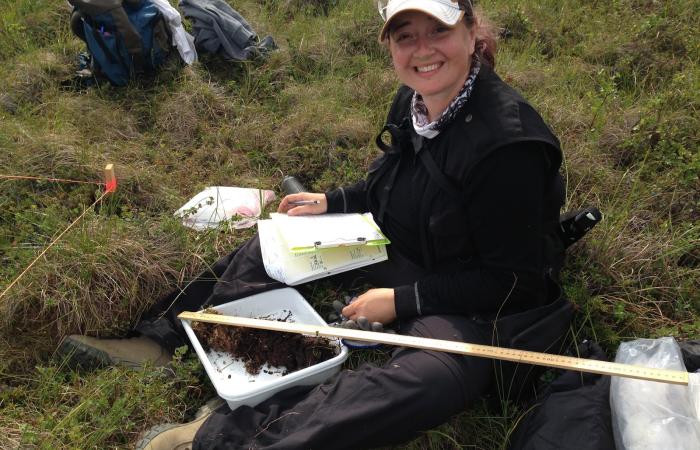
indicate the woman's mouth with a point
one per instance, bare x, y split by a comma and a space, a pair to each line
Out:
429, 68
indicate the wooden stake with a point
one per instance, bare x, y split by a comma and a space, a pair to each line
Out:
110, 178
462, 348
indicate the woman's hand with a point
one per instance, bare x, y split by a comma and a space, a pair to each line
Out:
377, 305
312, 204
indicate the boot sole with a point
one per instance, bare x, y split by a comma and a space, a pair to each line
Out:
78, 355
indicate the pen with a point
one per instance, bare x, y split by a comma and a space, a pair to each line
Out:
305, 202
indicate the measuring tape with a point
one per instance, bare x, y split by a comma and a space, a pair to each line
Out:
462, 348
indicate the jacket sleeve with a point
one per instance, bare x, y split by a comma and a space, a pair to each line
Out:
348, 199
506, 198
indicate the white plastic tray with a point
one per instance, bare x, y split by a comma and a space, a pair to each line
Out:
229, 376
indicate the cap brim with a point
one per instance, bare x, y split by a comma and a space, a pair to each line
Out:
447, 17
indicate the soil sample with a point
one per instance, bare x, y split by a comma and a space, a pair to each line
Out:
259, 347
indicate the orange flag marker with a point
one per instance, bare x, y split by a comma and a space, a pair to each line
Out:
110, 178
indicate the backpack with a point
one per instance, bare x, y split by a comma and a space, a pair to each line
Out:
125, 38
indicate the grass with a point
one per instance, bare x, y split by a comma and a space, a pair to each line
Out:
619, 82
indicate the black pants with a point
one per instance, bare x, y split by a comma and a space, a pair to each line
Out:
241, 274
370, 406
237, 275
366, 407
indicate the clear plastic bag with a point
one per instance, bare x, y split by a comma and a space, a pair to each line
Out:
650, 415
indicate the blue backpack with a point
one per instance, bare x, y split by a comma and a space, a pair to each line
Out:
124, 37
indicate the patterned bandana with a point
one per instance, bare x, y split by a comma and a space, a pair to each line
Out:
419, 112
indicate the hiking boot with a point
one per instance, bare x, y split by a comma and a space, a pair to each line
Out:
90, 353
171, 436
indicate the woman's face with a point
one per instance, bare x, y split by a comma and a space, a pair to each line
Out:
430, 57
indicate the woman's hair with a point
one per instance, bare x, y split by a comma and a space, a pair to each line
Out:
486, 37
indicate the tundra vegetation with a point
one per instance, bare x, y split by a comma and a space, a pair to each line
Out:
618, 80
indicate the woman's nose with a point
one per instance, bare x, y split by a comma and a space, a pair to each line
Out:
423, 47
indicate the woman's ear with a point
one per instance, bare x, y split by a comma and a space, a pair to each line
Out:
472, 39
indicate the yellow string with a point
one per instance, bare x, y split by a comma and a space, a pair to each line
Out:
51, 245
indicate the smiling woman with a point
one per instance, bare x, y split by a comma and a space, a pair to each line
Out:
437, 54
468, 191
430, 57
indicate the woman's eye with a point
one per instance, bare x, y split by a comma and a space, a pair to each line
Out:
440, 31
403, 37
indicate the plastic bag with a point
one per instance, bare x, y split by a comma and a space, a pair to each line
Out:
216, 204
649, 414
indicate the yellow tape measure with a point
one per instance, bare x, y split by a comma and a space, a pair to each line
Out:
484, 351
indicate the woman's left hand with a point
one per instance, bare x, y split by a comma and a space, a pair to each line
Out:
377, 305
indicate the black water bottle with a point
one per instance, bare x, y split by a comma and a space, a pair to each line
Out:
574, 225
290, 185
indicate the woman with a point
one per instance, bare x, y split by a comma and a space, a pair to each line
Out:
468, 191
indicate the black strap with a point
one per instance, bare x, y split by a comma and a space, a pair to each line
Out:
441, 179
433, 170
384, 196
101, 43
121, 57
131, 38
397, 136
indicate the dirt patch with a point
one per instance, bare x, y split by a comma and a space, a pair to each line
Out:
259, 347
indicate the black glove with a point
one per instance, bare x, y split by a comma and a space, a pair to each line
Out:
336, 319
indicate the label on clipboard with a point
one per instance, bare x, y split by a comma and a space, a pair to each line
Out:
296, 268
308, 233
357, 241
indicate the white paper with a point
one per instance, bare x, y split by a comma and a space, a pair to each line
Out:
215, 204
307, 233
296, 268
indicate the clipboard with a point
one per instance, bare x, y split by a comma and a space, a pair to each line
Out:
309, 233
296, 268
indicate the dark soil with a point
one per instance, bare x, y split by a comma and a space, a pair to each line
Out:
259, 347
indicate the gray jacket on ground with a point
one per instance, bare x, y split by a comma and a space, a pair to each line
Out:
218, 28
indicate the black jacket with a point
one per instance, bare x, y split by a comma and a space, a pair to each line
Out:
488, 138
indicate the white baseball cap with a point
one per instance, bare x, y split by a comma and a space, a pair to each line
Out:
446, 11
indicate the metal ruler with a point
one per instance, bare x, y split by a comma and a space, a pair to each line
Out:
462, 348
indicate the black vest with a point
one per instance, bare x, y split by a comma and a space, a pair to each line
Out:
494, 116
